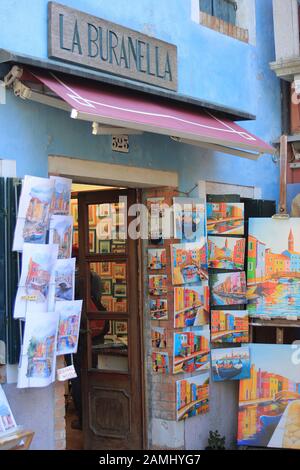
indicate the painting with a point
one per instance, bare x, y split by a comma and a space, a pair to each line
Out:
230, 363
105, 269
274, 268
74, 212
61, 232
156, 217
106, 286
7, 420
103, 210
226, 253
121, 327
159, 309
189, 219
104, 229
119, 271
107, 302
119, 290
38, 355
34, 211
158, 284
191, 351
157, 259
229, 326
189, 262
228, 289
69, 314
160, 363
119, 305
60, 204
225, 218
192, 396
191, 305
269, 401
158, 337
104, 247
92, 240
35, 291
64, 273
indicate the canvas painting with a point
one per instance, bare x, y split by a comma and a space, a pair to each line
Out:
228, 289
69, 314
226, 253
158, 284
189, 262
269, 401
35, 292
229, 326
64, 279
158, 337
191, 305
159, 309
7, 420
34, 211
160, 363
230, 363
225, 218
192, 396
61, 196
157, 259
274, 268
156, 217
61, 232
191, 351
189, 219
38, 356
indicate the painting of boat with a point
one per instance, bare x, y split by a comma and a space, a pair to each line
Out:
230, 363
227, 370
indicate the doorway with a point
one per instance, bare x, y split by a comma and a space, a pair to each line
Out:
109, 353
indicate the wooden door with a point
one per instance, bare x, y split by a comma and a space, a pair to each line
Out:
112, 360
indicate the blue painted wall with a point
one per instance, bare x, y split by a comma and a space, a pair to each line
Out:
212, 66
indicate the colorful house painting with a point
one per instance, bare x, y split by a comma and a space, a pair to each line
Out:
191, 306
189, 262
159, 309
40, 356
37, 281
226, 253
228, 289
157, 259
192, 396
191, 351
158, 284
229, 326
225, 218
160, 363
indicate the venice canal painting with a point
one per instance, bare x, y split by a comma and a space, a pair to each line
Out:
189, 262
192, 396
269, 401
191, 306
225, 218
226, 253
274, 268
228, 289
229, 326
191, 351
230, 364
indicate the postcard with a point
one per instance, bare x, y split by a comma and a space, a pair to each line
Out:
61, 233
159, 309
38, 355
157, 259
192, 396
69, 314
64, 278
269, 401
225, 218
230, 363
191, 351
158, 337
61, 196
7, 420
158, 284
34, 211
189, 262
37, 277
160, 363
189, 219
191, 305
226, 253
229, 326
228, 289
274, 268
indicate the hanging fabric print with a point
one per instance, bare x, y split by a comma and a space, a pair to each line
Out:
7, 420
60, 204
34, 211
35, 291
38, 355
69, 314
189, 219
64, 281
273, 276
61, 233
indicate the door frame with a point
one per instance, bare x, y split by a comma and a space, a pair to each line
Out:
84, 171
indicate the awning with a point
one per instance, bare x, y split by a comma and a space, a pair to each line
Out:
114, 106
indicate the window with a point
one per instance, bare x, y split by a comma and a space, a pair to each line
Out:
223, 9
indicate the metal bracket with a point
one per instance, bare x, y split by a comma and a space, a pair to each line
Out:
13, 80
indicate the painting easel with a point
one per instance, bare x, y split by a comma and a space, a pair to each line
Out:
20, 440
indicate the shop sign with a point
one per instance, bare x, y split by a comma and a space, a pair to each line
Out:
88, 41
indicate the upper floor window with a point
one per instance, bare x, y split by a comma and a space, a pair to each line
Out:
223, 9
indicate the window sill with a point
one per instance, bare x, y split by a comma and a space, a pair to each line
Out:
222, 27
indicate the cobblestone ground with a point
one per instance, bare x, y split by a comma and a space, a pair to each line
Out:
291, 439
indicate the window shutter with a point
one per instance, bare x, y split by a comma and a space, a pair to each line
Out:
225, 10
13, 191
206, 6
2, 262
